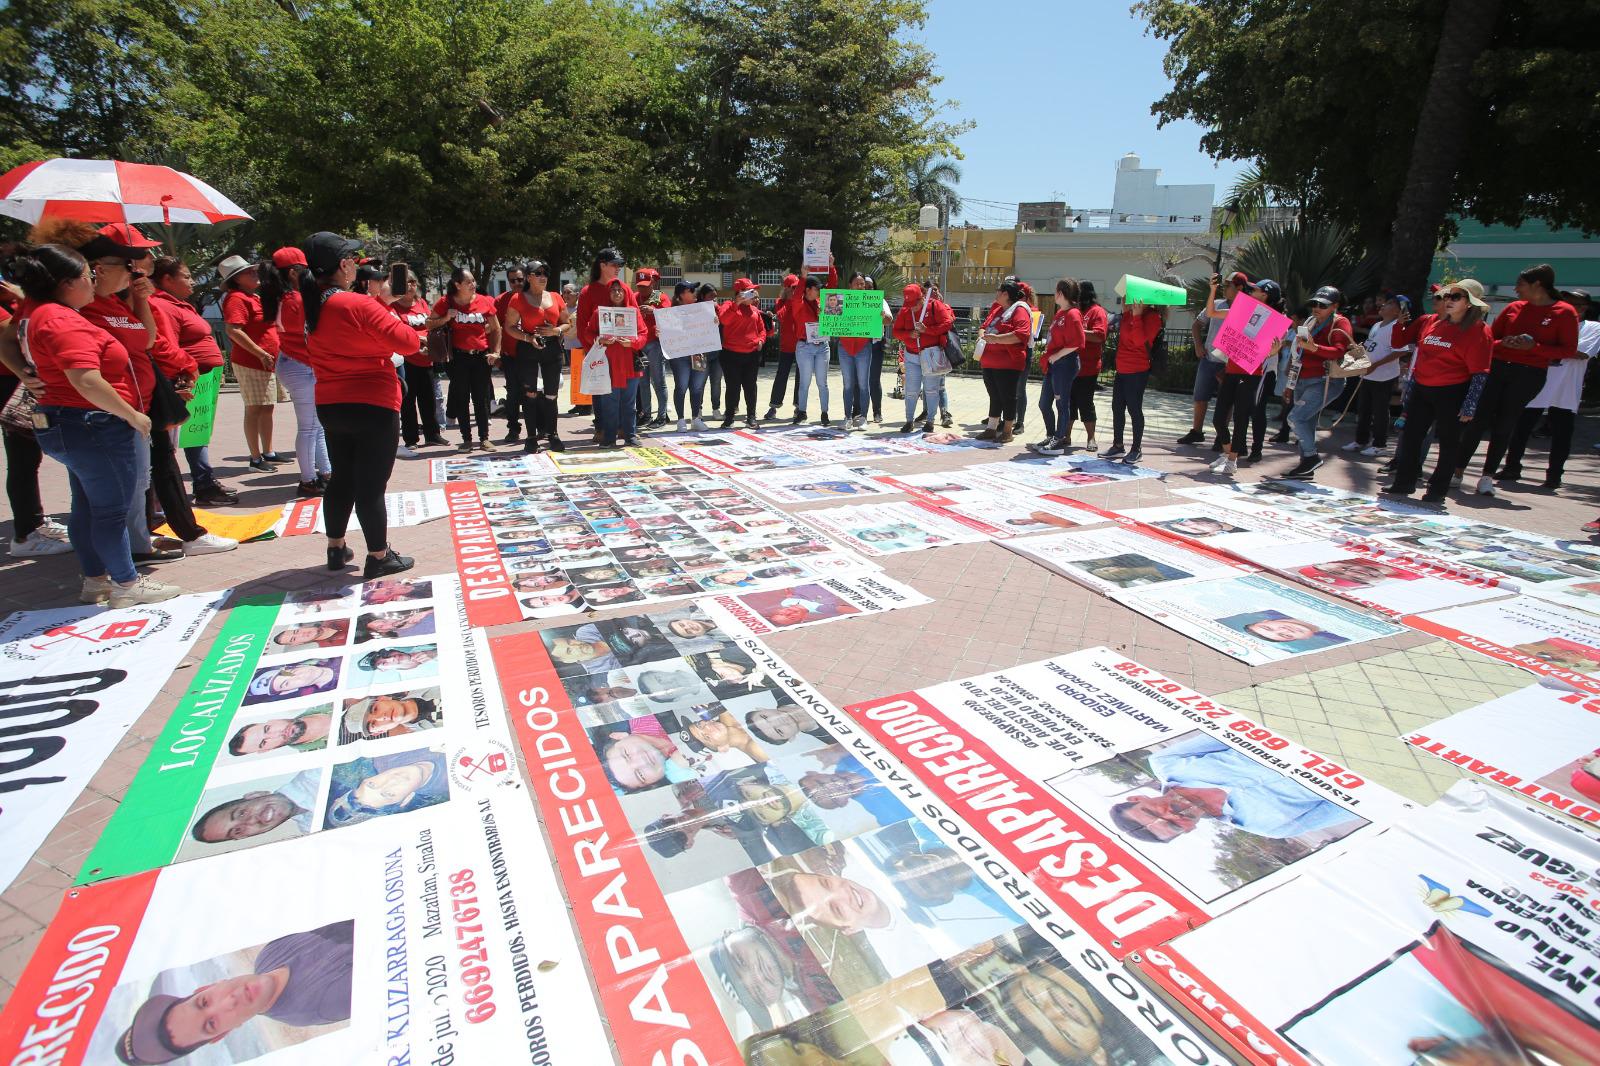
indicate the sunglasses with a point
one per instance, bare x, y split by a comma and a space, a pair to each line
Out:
1451, 296
1320, 303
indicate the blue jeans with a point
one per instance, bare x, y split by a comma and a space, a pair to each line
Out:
310, 443
922, 381
810, 364
857, 371
137, 518
713, 373
200, 471
686, 380
1055, 396
1310, 397
617, 411
655, 381
100, 452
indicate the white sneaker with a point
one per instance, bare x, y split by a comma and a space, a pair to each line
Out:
403, 452
1352, 446
683, 425
1486, 486
144, 590
53, 530
1455, 481
700, 426
36, 544
1218, 463
95, 590
861, 421
1371, 450
209, 544
1227, 468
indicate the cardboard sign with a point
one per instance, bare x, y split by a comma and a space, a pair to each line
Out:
818, 248
1136, 290
196, 432
618, 322
688, 330
852, 313
1251, 333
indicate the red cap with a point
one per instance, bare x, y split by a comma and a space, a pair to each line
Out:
125, 235
912, 294
647, 274
790, 280
289, 257
743, 285
1240, 279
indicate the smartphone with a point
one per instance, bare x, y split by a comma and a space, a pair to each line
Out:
397, 279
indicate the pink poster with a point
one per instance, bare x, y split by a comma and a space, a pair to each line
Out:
1250, 333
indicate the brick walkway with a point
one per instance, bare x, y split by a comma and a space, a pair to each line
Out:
991, 610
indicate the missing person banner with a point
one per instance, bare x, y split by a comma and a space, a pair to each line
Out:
756, 879
809, 485
1112, 560
733, 453
314, 713
197, 428
1548, 639
1255, 619
688, 329
617, 322
403, 509
1141, 806
877, 529
1388, 580
75, 679
1541, 742
828, 444
1062, 473
542, 547
1239, 528
490, 467
439, 938
827, 600
1015, 514
1466, 934
816, 248
851, 313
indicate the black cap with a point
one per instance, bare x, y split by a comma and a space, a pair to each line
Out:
325, 251
610, 255
1327, 295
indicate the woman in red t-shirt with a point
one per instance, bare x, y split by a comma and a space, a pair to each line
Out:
92, 414
174, 285
537, 319
1058, 365
419, 418
744, 331
282, 306
1136, 334
352, 339
474, 352
253, 351
33, 533
1007, 331
617, 412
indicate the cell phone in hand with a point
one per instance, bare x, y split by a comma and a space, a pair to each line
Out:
398, 277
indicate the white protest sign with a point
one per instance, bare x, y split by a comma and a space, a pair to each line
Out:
688, 330
818, 248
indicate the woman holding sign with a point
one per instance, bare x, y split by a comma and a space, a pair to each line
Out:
1240, 391
616, 412
688, 380
810, 347
922, 325
744, 331
855, 363
1004, 354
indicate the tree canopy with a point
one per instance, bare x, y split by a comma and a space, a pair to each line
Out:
476, 130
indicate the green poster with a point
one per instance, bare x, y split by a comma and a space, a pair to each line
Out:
1137, 290
851, 313
196, 432
144, 831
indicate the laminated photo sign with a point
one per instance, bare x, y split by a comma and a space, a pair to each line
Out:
851, 313
618, 322
818, 249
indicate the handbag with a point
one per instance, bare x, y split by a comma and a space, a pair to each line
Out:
595, 379
439, 345
952, 351
17, 415
167, 408
1356, 363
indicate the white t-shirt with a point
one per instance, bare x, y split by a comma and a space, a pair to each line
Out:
1563, 384
1378, 347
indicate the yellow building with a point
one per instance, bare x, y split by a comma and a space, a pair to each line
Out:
979, 258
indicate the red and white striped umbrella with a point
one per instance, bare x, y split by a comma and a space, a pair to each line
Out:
107, 190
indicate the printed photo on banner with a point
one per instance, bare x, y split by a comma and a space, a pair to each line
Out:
1060, 473
1212, 817
1111, 560
1014, 514
734, 453
379, 726
1547, 638
811, 604
618, 321
829, 482
890, 528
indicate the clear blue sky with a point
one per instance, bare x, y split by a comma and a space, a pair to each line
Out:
1090, 56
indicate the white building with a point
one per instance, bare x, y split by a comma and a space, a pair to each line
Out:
1142, 202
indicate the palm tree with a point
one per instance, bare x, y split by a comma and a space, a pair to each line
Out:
1300, 257
934, 182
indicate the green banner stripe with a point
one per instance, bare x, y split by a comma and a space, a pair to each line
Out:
147, 828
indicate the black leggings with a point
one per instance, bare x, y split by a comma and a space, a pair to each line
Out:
418, 418
1508, 392
1437, 407
1127, 398
1002, 388
361, 452
741, 370
22, 473
875, 378
1083, 399
1372, 412
167, 481
1561, 424
1243, 397
471, 392
780, 380
538, 377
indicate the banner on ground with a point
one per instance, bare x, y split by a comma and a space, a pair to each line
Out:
851, 313
947, 486
950, 440
1111, 561
315, 713
541, 547
1546, 638
1062, 474
481, 467
440, 937
1014, 513
610, 461
826, 600
875, 529
816, 249
1466, 934
1541, 742
830, 482
197, 429
1137, 804
1238, 527
743, 853
403, 509
733, 453
1255, 619
1251, 333
688, 329
75, 679
827, 444
257, 525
